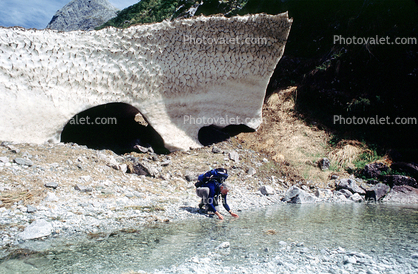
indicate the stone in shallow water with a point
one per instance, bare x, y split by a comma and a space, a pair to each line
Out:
296, 195
403, 195
377, 192
37, 229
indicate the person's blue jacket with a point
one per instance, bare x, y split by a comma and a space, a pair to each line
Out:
214, 192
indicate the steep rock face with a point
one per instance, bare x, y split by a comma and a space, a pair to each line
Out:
181, 75
82, 15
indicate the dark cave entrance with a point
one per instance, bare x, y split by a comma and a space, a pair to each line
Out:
114, 126
212, 134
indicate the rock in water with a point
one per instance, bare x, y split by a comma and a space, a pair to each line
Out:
82, 15
296, 195
377, 192
37, 229
402, 195
163, 70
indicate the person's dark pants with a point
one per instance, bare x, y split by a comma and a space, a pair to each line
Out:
203, 192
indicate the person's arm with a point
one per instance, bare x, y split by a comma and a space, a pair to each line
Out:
227, 208
211, 198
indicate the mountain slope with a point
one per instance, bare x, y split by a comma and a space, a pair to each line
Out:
82, 15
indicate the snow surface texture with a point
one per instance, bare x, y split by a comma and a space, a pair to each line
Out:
175, 73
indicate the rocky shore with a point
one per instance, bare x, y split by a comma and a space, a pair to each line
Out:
61, 190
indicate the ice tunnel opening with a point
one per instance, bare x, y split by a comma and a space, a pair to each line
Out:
115, 126
212, 134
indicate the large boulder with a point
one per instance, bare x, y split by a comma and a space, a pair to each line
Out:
402, 195
351, 185
37, 229
409, 168
377, 192
398, 180
373, 170
181, 75
296, 195
82, 15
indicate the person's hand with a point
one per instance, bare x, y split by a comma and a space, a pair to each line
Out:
233, 214
219, 215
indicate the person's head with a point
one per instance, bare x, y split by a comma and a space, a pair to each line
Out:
224, 188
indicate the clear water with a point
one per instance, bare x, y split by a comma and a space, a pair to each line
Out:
375, 229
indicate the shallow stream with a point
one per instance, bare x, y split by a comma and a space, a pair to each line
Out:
318, 238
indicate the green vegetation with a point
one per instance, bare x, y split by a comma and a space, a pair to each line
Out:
145, 11
152, 11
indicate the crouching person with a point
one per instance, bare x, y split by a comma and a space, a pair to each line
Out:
211, 187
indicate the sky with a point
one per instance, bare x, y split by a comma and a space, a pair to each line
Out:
38, 13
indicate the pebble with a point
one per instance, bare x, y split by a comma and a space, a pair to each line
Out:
23, 162
53, 185
31, 209
83, 188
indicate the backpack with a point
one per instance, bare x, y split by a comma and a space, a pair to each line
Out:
219, 175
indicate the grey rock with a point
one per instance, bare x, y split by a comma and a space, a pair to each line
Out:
216, 150
323, 193
377, 192
397, 180
224, 245
141, 149
82, 188
123, 168
351, 185
334, 177
298, 196
190, 177
234, 156
165, 163
144, 168
373, 170
402, 194
11, 147
4, 160
37, 229
266, 190
349, 260
410, 168
356, 198
31, 209
51, 197
251, 171
82, 15
324, 163
53, 185
86, 178
347, 193
23, 162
